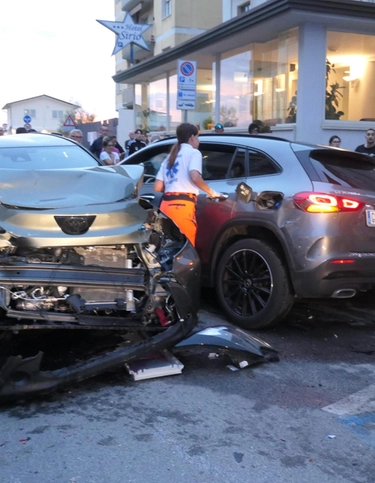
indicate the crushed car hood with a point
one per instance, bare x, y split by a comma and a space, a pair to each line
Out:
63, 188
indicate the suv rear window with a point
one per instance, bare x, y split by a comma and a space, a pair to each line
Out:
344, 168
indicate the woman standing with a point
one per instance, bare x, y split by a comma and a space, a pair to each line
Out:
334, 141
180, 179
108, 155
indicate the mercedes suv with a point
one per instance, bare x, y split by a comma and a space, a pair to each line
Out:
298, 222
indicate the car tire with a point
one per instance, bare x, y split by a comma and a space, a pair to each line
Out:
252, 285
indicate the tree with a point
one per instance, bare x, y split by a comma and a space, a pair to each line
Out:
83, 117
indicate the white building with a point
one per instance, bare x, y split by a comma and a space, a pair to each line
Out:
47, 113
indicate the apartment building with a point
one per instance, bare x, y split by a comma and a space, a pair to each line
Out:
305, 68
173, 23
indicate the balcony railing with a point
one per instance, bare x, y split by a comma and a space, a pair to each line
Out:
128, 5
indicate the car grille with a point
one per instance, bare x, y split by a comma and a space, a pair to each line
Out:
75, 225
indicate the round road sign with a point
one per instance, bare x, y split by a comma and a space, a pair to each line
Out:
187, 68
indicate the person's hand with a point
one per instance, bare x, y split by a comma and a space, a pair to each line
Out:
214, 194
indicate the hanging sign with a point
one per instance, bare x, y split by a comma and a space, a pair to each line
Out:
127, 32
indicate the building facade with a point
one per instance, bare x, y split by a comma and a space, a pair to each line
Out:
173, 23
305, 68
47, 113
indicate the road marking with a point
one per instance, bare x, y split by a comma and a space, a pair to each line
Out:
360, 402
357, 413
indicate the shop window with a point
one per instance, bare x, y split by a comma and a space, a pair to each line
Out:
350, 77
259, 81
157, 102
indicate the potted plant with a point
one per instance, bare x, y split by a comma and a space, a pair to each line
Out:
207, 123
333, 94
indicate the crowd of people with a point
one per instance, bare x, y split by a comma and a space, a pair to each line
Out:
107, 148
367, 148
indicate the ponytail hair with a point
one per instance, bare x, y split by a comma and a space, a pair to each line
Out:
183, 132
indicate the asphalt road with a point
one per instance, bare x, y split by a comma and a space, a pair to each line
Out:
309, 417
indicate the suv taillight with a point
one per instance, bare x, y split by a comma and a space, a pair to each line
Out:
325, 203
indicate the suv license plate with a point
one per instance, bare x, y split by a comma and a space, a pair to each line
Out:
370, 217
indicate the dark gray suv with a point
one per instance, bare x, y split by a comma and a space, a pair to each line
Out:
299, 221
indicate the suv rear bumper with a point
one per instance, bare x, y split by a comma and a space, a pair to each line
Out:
341, 280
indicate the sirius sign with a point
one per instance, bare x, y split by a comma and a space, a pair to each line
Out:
127, 32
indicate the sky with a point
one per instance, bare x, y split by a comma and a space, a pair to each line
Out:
58, 49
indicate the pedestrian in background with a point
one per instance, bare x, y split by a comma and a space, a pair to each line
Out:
1, 131
117, 147
144, 138
180, 179
253, 128
369, 147
219, 128
137, 143
97, 145
334, 141
21, 130
76, 135
131, 137
154, 137
107, 155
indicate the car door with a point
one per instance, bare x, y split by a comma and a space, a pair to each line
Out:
224, 166
238, 165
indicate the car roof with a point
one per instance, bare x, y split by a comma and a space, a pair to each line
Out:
256, 141
34, 139
228, 136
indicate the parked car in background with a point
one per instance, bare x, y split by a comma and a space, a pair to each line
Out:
299, 221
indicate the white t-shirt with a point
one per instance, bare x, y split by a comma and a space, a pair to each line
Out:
177, 179
105, 156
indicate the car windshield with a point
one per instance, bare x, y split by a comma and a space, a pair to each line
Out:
345, 168
45, 157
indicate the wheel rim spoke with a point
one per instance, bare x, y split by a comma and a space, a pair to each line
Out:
247, 283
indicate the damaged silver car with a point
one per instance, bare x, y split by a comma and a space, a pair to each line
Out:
80, 250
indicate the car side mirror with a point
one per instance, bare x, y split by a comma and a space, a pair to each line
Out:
244, 192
